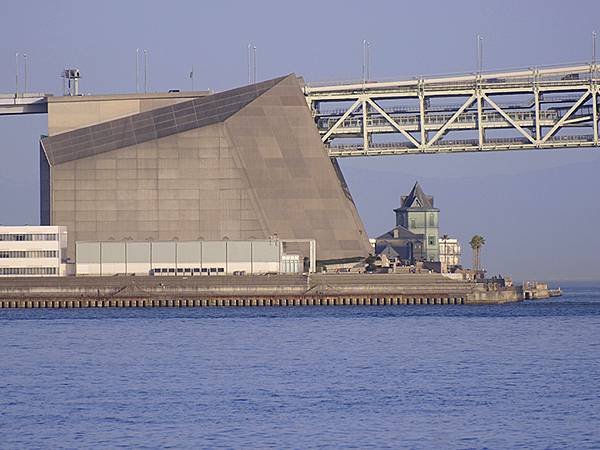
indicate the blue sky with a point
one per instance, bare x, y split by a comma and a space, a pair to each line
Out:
538, 210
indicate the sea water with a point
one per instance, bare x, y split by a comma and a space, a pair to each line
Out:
521, 375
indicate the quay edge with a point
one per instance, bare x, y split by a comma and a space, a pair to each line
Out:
265, 290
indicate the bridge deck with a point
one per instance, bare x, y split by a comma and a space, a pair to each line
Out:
517, 110
23, 104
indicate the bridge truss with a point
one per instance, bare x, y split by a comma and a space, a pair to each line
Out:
519, 110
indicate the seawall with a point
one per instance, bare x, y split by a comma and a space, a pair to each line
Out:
265, 290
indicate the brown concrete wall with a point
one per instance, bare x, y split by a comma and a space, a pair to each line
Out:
260, 172
184, 186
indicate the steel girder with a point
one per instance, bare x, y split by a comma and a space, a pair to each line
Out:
560, 102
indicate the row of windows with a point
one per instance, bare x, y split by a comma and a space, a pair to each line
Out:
29, 237
28, 271
28, 253
186, 270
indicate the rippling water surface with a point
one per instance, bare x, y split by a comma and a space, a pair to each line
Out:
510, 376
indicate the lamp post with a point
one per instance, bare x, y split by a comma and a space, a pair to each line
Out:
16, 74
145, 71
254, 62
25, 73
249, 58
479, 53
366, 60
593, 47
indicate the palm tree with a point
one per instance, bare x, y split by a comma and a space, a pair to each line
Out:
476, 243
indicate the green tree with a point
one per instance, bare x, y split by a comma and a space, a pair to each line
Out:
476, 243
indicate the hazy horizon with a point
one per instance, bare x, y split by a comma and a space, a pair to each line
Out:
538, 210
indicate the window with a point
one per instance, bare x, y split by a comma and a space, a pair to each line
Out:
413, 223
28, 271
431, 219
29, 237
431, 240
28, 254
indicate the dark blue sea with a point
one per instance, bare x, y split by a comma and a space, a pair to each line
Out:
512, 376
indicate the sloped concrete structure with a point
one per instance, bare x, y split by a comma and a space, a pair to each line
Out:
242, 164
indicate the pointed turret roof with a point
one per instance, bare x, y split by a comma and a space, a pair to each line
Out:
417, 198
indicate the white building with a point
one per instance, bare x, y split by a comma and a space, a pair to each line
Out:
29, 251
449, 253
189, 258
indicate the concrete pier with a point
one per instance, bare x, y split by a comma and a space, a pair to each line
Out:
246, 291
